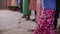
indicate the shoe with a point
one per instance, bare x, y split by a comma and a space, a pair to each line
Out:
23, 17
33, 19
28, 18
30, 30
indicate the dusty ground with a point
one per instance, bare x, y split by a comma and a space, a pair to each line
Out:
12, 23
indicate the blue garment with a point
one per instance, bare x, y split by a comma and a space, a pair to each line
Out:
49, 4
19, 2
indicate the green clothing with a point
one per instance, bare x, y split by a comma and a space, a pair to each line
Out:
25, 5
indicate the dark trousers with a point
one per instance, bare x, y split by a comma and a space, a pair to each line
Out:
56, 17
20, 8
55, 22
35, 12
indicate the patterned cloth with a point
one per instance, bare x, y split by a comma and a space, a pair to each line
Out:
46, 20
45, 24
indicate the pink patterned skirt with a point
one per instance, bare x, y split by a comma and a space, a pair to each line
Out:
45, 23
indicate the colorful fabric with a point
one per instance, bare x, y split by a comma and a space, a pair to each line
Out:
19, 3
33, 4
25, 5
38, 9
46, 20
13, 2
45, 24
49, 4
8, 2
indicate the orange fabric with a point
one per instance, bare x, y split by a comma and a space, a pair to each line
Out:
32, 4
36, 5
